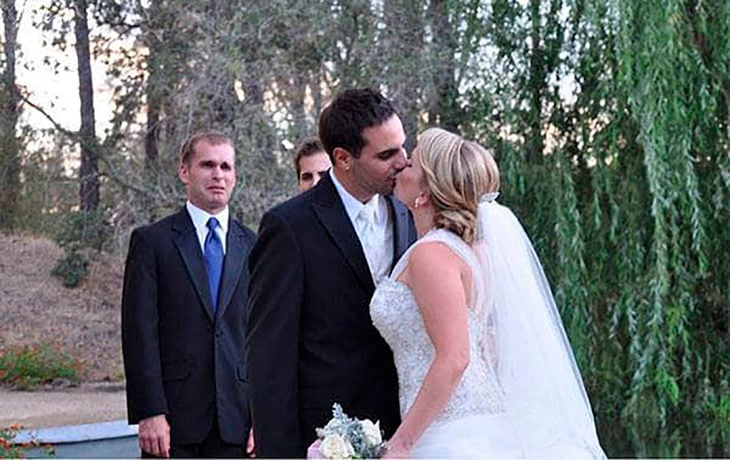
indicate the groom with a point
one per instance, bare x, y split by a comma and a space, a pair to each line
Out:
313, 271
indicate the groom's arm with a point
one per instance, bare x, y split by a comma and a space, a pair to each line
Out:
272, 351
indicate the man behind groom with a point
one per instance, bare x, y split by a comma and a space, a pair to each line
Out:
183, 315
313, 271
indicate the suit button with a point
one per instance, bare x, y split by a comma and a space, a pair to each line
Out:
218, 334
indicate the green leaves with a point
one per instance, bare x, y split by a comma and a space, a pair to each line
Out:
27, 366
626, 201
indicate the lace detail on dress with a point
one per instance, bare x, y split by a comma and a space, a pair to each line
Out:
396, 315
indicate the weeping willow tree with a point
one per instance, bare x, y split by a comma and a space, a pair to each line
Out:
623, 185
673, 77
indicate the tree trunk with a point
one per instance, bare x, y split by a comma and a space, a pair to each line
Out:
536, 80
317, 95
153, 86
445, 107
152, 133
402, 46
9, 143
300, 128
89, 172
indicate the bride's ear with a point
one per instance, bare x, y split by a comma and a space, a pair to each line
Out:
422, 199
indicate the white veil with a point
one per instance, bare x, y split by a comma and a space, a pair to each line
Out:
544, 394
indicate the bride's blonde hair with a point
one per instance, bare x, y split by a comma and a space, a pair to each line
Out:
457, 174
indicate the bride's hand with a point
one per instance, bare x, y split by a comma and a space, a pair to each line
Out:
395, 450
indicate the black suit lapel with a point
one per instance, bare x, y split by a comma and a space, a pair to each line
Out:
332, 214
232, 266
187, 243
402, 234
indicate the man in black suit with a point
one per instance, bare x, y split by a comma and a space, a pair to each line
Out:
313, 272
184, 316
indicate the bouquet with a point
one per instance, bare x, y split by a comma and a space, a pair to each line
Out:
346, 437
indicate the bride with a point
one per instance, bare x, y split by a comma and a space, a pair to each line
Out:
484, 366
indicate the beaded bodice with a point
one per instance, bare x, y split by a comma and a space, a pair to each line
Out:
396, 315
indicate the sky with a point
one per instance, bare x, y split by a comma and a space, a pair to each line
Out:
55, 91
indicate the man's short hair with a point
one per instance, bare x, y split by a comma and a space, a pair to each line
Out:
210, 136
308, 147
342, 122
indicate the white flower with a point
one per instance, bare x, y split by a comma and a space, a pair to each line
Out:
336, 446
332, 426
372, 432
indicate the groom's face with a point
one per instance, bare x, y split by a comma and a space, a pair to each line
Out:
381, 159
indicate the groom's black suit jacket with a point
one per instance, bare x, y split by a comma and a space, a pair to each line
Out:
311, 342
180, 358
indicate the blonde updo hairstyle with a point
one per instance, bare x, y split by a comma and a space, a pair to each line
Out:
457, 174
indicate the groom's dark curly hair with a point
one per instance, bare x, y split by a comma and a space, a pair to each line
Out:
342, 122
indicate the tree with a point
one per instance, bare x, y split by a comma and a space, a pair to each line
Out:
89, 170
403, 47
10, 144
444, 105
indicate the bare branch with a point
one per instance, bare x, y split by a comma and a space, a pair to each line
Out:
101, 151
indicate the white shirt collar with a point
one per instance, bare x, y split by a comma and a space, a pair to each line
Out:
200, 221
353, 205
200, 217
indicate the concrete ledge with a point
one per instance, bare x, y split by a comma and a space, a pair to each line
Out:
79, 433
113, 439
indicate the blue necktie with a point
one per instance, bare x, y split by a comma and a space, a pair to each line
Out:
213, 255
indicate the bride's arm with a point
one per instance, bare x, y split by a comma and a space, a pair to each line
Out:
437, 278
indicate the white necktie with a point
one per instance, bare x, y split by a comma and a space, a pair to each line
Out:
366, 228
366, 221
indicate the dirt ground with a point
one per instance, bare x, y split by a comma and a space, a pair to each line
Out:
85, 322
86, 403
36, 308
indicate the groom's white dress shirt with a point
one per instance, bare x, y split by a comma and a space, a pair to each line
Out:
372, 225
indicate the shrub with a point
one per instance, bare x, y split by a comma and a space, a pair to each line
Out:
29, 366
81, 235
72, 268
79, 229
9, 449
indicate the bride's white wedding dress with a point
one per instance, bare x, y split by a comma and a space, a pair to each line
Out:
477, 421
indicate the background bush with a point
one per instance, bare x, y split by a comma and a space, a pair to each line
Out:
29, 366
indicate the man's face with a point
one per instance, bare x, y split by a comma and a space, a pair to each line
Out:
209, 176
381, 159
312, 168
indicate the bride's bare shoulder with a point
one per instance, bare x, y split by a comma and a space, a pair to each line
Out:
434, 258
